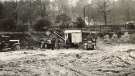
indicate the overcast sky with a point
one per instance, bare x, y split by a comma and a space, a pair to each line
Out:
72, 2
8, 0
50, 0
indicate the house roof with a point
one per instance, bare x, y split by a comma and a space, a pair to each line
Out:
72, 31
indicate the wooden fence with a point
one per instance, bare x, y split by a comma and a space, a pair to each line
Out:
101, 28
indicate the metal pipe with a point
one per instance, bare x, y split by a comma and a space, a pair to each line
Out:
84, 12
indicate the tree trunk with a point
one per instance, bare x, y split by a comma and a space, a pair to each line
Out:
105, 12
105, 18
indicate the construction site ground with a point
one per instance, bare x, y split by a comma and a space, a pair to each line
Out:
106, 60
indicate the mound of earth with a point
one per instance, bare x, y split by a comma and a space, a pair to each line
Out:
107, 60
68, 63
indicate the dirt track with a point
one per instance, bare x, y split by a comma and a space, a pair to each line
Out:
106, 61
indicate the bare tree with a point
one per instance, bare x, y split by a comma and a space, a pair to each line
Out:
104, 8
1, 9
126, 6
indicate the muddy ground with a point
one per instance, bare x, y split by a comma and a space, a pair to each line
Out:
106, 60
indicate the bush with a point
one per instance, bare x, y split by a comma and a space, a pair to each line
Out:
80, 23
8, 24
132, 38
63, 20
42, 24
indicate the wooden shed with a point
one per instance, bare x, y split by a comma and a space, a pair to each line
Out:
73, 36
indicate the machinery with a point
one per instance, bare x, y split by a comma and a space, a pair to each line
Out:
89, 44
7, 44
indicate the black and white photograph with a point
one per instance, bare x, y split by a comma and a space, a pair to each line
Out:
67, 37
